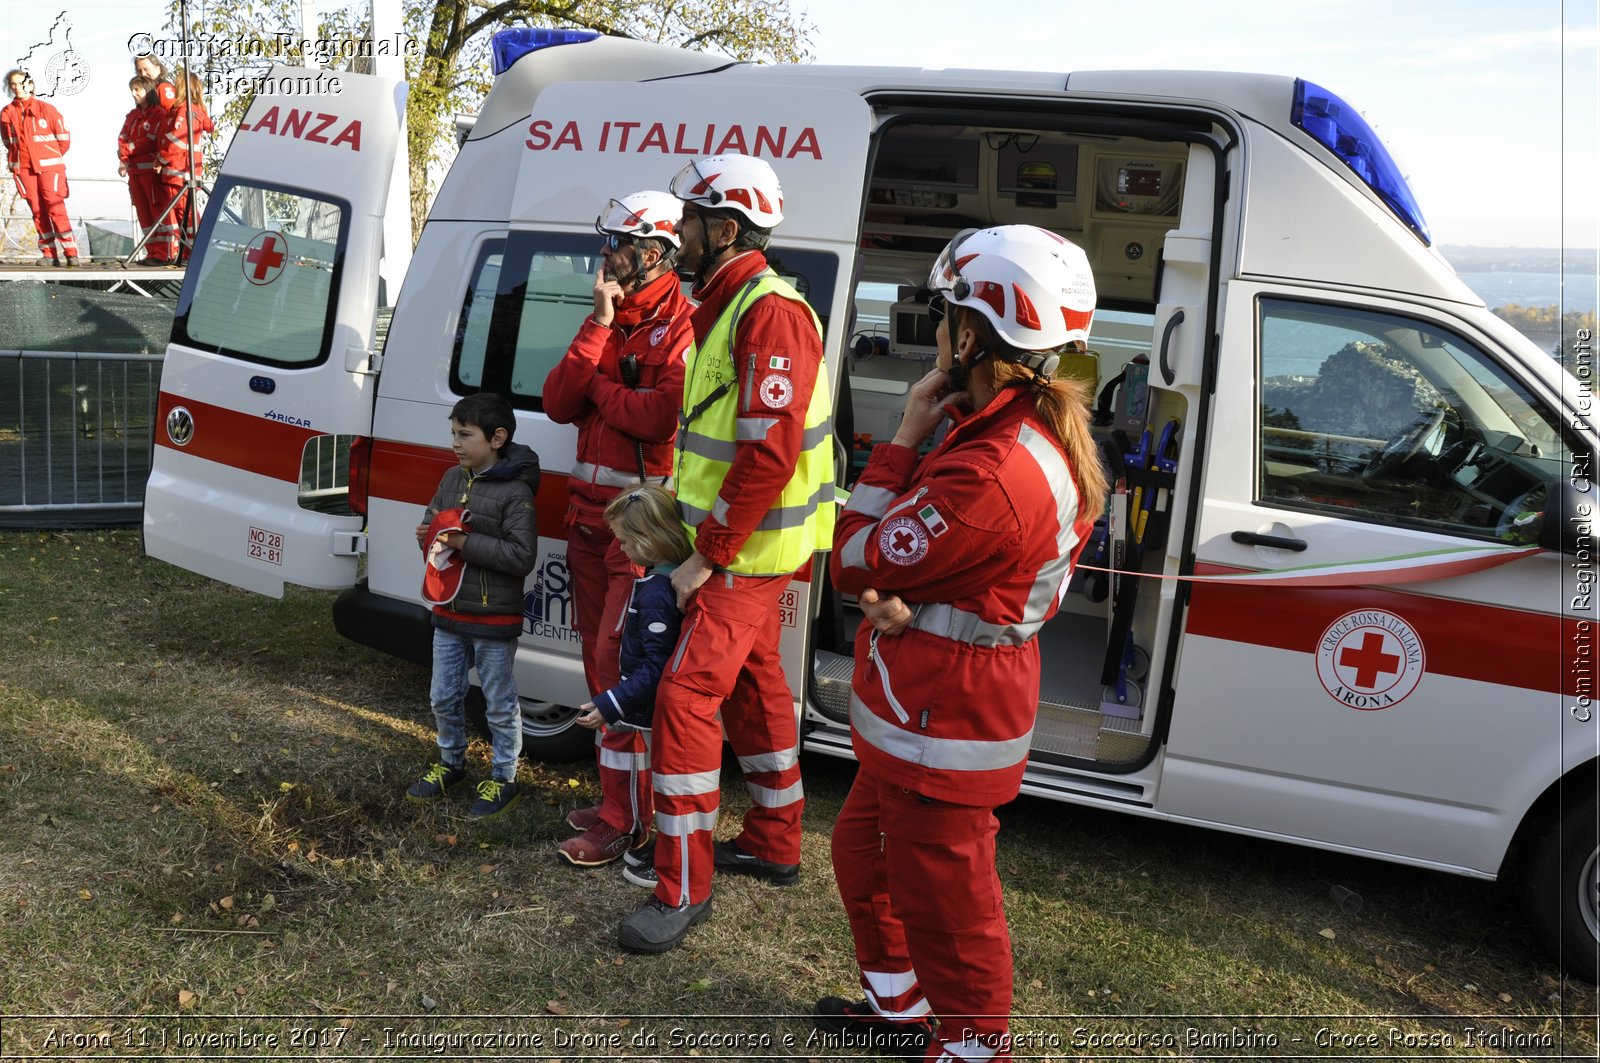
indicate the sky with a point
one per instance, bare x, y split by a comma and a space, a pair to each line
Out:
1489, 106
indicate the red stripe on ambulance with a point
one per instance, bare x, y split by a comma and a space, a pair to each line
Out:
1468, 640
238, 440
405, 472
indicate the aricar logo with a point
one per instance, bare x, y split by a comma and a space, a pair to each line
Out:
1370, 659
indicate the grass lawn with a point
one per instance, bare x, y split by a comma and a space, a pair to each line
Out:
204, 849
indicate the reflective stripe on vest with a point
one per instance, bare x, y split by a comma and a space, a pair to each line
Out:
801, 521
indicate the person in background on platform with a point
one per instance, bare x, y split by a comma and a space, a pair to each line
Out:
958, 558
36, 142
620, 383
130, 144
182, 162
151, 69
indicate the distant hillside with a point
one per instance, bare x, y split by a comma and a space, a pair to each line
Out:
1520, 259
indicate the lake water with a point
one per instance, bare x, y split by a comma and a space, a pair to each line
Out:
1533, 289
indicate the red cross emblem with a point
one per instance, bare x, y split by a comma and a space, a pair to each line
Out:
777, 391
264, 257
1370, 659
903, 541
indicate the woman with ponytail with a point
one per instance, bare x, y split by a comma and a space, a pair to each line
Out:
958, 559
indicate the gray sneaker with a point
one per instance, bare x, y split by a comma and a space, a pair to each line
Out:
658, 927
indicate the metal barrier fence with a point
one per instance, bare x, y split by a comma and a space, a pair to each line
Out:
75, 432
76, 435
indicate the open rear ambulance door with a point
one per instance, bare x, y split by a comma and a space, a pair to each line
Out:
587, 141
271, 350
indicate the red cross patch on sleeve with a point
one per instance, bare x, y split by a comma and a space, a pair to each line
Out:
776, 390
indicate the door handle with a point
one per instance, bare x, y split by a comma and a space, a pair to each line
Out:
1281, 542
1167, 373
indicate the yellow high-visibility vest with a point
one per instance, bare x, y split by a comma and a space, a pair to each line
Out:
709, 429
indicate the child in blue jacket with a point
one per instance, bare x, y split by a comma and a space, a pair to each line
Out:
645, 521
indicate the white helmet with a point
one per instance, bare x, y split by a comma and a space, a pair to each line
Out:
644, 214
739, 183
1035, 287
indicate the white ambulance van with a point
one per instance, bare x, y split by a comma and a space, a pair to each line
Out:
1351, 598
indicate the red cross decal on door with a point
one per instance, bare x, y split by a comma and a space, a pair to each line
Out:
1369, 661
264, 257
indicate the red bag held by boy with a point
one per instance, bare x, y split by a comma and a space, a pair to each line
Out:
444, 569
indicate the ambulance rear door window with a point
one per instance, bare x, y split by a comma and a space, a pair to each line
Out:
265, 284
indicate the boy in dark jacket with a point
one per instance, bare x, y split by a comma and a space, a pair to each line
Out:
494, 485
644, 520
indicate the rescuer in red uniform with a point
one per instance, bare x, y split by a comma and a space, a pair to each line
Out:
959, 558
36, 141
182, 158
754, 476
620, 383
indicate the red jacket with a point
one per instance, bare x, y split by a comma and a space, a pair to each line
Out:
763, 461
128, 138
34, 134
979, 539
145, 156
586, 388
183, 138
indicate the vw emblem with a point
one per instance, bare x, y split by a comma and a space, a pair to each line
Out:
180, 426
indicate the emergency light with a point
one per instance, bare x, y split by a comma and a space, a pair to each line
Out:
1338, 127
510, 45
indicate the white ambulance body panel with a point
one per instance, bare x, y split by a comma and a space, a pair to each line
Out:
1341, 414
301, 200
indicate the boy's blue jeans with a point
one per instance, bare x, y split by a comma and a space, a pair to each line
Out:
452, 655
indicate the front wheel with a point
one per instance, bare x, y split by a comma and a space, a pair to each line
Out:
550, 733
1563, 889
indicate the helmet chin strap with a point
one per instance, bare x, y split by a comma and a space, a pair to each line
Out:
961, 372
637, 277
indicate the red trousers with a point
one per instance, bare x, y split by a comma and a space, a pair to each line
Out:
145, 189
919, 885
174, 237
602, 577
46, 193
727, 658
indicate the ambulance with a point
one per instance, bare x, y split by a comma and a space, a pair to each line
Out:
1343, 594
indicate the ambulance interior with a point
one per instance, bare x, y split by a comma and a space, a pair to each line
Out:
1117, 197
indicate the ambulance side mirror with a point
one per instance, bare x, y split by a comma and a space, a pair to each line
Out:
1569, 517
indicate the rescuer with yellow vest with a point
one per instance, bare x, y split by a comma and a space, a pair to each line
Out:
753, 465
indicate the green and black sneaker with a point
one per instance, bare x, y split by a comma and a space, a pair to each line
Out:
436, 783
494, 797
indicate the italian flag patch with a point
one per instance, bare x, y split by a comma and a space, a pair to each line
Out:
934, 522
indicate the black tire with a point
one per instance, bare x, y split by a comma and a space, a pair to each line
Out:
549, 731
1562, 889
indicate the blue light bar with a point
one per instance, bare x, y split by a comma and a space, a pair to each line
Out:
1341, 129
510, 45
